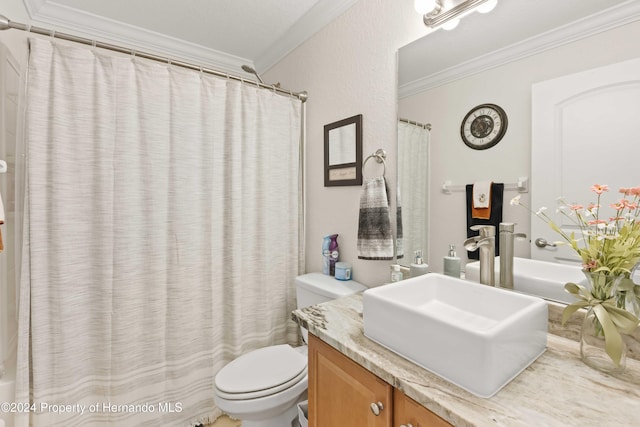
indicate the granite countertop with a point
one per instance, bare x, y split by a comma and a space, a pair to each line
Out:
556, 390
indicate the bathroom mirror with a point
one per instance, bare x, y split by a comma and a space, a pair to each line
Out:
343, 152
496, 57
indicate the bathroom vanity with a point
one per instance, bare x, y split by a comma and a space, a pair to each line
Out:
350, 376
341, 392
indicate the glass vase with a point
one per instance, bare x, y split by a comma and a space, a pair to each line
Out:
592, 339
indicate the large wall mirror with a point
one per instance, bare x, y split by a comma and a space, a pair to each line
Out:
498, 58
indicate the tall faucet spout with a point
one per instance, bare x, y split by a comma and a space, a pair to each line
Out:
485, 243
507, 237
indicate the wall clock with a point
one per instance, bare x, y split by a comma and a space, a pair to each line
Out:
483, 126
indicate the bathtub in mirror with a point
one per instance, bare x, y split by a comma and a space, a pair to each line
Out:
444, 74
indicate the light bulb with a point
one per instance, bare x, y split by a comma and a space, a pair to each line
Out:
450, 25
487, 6
424, 6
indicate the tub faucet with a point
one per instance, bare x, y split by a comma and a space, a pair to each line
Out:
507, 237
486, 244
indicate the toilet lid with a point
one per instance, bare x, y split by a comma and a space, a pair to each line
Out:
260, 371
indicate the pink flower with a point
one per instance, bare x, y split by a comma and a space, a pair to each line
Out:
635, 191
618, 205
625, 191
590, 265
597, 221
575, 207
599, 189
593, 206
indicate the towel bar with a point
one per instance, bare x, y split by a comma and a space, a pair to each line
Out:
522, 186
380, 155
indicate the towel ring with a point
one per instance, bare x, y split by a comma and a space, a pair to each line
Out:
380, 155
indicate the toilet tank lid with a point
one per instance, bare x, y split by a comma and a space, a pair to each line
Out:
329, 286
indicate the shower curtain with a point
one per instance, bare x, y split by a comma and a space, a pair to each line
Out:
413, 175
162, 236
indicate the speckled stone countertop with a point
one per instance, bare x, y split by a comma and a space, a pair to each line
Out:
556, 390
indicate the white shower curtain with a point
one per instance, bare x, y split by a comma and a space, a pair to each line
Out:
162, 236
413, 175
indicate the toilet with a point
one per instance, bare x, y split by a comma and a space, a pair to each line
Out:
263, 387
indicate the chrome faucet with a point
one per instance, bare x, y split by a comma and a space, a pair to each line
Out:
507, 237
486, 244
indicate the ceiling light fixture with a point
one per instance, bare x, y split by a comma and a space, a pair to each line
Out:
435, 15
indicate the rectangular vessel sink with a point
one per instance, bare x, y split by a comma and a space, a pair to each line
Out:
534, 277
475, 336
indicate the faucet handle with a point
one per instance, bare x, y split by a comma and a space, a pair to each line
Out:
485, 230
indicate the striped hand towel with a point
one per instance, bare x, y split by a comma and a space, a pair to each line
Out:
375, 240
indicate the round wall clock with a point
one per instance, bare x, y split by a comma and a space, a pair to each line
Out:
483, 126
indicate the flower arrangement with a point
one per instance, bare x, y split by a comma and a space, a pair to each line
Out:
609, 247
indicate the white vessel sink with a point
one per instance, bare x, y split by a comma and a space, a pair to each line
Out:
474, 336
539, 278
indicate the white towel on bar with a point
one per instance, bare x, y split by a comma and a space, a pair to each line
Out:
481, 194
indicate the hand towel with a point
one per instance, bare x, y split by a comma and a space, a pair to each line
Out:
399, 237
375, 240
481, 200
495, 218
1, 222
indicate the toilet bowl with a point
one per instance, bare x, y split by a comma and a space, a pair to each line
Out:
263, 387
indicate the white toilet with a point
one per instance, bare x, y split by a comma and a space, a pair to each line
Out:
262, 387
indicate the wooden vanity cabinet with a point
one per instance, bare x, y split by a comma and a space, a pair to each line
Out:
407, 412
343, 393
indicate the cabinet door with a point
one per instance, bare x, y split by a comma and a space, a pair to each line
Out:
341, 392
407, 412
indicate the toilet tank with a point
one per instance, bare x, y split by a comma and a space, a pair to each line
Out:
314, 288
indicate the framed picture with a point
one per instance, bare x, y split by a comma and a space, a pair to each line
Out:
343, 152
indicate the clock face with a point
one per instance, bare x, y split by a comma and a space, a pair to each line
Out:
484, 126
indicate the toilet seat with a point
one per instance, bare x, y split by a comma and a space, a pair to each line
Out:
261, 373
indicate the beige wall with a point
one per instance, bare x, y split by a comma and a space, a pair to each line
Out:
349, 68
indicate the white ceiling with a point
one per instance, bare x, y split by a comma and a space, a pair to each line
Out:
223, 34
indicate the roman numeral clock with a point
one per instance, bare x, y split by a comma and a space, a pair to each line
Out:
484, 126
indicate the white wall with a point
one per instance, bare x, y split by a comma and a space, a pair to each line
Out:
510, 87
349, 68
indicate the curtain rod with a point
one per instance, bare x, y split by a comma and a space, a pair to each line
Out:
411, 122
6, 24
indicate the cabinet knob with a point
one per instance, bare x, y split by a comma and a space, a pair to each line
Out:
376, 408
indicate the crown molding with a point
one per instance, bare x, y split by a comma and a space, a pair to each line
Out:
617, 16
321, 14
49, 13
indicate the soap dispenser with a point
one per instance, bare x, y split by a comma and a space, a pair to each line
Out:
452, 263
396, 273
418, 267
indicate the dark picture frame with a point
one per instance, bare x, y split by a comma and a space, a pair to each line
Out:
343, 152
